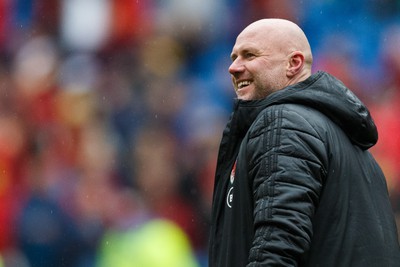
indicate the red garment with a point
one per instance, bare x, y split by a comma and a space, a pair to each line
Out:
387, 150
130, 20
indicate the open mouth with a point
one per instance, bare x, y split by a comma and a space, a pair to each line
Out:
242, 84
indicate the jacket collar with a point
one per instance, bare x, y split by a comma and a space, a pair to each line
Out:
322, 92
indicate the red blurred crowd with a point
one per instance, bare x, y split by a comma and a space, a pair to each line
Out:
111, 111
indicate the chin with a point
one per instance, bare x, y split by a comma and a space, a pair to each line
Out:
246, 97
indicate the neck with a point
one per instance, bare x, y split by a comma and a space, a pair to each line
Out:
303, 75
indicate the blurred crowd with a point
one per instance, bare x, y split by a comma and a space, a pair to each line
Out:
111, 112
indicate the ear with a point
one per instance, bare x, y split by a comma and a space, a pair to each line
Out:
295, 64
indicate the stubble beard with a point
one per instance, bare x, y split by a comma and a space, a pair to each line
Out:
261, 92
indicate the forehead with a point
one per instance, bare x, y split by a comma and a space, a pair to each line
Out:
251, 39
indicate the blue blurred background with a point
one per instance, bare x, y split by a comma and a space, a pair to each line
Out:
111, 112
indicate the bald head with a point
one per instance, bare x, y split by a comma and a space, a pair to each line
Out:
269, 55
280, 35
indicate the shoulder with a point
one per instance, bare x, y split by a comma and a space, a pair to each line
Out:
293, 117
289, 135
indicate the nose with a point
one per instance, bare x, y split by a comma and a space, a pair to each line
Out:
236, 67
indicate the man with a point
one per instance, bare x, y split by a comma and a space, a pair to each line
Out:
295, 184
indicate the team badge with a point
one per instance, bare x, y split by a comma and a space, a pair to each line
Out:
233, 172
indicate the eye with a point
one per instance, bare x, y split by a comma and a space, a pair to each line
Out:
249, 55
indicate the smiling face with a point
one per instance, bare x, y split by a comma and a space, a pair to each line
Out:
257, 69
266, 58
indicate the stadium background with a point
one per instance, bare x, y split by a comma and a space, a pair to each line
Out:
111, 112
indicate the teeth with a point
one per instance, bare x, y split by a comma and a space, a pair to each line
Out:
243, 84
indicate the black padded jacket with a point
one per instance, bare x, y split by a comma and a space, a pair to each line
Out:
295, 183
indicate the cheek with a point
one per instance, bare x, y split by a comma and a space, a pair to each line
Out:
268, 82
274, 77
265, 79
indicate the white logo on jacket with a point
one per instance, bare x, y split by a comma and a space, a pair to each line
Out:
229, 197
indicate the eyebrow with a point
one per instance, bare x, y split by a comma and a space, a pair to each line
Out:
233, 56
244, 51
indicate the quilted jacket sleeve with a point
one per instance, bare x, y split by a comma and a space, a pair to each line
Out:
287, 161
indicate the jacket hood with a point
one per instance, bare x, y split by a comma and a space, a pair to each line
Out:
331, 97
